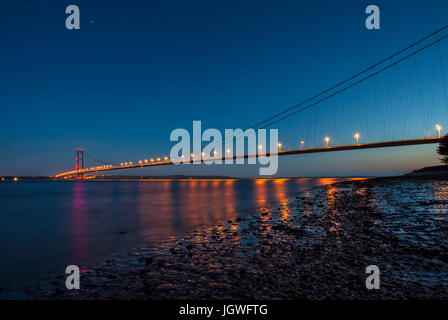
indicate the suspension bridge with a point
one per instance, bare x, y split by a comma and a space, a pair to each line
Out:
166, 161
403, 108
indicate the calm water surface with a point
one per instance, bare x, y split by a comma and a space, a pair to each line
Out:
45, 226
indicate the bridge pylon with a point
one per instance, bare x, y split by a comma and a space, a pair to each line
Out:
79, 163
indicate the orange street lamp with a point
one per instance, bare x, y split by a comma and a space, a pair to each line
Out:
327, 139
301, 144
438, 128
279, 145
166, 158
357, 138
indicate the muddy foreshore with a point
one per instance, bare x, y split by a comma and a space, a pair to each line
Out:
316, 245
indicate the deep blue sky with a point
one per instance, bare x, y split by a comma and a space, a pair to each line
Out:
136, 70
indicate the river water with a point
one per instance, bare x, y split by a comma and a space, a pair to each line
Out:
47, 225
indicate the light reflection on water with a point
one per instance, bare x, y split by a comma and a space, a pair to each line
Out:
441, 194
45, 226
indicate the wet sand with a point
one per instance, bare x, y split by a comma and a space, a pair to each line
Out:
316, 245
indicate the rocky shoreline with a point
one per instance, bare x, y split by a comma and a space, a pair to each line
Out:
316, 245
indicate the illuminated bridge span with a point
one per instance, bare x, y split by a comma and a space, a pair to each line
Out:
392, 101
166, 161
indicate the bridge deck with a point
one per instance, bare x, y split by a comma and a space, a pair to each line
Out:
386, 144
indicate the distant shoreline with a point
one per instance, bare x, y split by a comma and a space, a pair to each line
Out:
175, 178
430, 171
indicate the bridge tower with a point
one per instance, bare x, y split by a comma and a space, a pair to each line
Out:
80, 163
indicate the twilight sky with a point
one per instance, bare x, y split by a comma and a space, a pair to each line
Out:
136, 70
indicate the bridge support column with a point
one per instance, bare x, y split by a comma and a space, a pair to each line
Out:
79, 163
